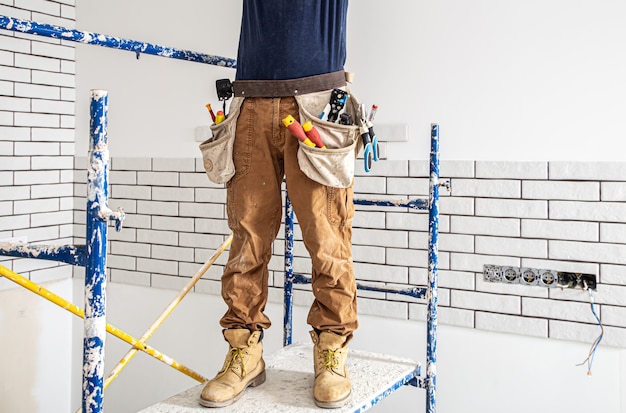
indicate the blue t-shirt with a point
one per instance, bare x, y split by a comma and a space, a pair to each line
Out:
289, 39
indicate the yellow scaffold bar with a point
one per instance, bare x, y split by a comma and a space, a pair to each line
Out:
63, 303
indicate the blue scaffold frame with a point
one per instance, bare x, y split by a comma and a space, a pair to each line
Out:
79, 36
92, 255
430, 292
98, 214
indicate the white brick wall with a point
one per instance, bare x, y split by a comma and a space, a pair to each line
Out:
37, 135
560, 215
179, 219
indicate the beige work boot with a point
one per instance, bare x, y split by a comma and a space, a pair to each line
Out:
243, 367
332, 384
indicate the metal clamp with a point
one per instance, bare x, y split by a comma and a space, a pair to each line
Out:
107, 215
446, 184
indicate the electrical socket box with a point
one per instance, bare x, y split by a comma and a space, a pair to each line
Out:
510, 275
492, 273
588, 281
529, 276
539, 277
548, 278
576, 280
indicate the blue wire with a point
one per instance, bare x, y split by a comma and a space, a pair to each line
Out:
596, 343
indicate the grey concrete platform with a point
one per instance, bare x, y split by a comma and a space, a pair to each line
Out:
289, 384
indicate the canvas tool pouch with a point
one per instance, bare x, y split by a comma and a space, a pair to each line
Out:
217, 151
334, 165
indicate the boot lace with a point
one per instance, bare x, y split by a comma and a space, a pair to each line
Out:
234, 356
329, 359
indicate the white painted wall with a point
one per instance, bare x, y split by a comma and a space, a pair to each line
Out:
515, 80
35, 351
155, 103
506, 80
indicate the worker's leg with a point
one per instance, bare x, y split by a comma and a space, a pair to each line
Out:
254, 215
325, 218
254, 212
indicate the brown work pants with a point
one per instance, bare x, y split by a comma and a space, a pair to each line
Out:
265, 152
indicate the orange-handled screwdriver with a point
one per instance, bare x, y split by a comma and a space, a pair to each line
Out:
313, 134
296, 130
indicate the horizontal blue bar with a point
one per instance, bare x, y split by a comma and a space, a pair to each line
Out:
415, 292
58, 32
69, 254
406, 203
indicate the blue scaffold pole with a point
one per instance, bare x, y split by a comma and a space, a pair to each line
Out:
433, 252
95, 268
289, 277
58, 32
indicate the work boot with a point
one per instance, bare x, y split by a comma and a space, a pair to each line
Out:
243, 367
332, 384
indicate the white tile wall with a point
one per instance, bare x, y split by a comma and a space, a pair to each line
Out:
512, 324
37, 135
511, 170
512, 223
561, 215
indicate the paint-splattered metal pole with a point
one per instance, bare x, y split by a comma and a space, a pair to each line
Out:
69, 254
289, 277
95, 268
57, 32
433, 252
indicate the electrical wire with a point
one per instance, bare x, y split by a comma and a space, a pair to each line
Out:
596, 343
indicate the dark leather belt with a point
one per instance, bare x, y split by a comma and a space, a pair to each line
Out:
290, 87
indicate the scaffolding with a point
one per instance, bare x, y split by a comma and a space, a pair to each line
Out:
92, 256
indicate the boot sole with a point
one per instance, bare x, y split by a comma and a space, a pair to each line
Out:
335, 403
257, 381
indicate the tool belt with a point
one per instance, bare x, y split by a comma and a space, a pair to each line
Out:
290, 87
331, 166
